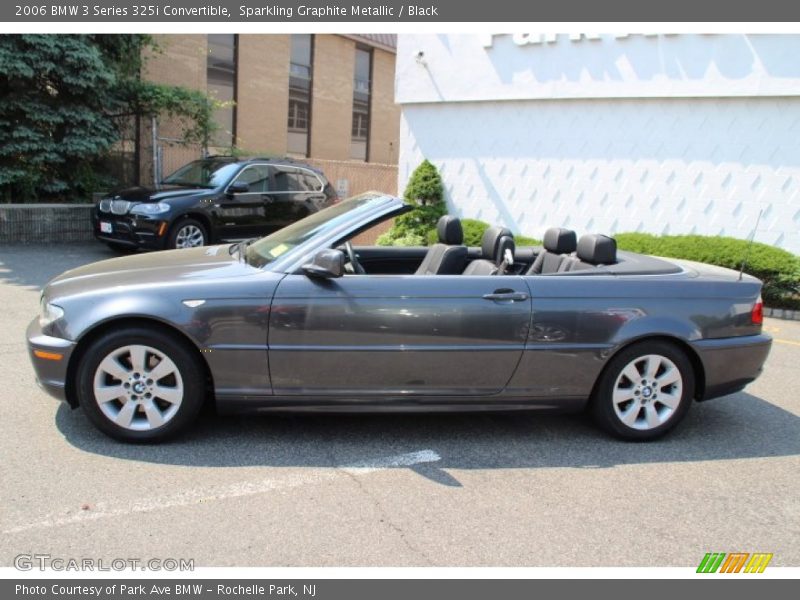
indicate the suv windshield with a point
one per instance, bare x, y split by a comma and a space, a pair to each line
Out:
206, 173
271, 247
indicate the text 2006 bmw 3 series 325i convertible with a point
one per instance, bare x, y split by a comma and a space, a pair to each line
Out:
303, 320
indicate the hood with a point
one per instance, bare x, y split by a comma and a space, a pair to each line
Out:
149, 194
153, 268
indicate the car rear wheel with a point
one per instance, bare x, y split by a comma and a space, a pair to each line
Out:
188, 233
645, 391
140, 385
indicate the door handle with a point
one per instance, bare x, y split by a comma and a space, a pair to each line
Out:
506, 295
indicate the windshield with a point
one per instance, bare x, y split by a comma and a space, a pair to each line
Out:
206, 173
273, 246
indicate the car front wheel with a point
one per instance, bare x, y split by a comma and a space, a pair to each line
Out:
188, 233
140, 385
645, 391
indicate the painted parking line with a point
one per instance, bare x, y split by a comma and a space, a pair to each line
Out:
237, 490
790, 342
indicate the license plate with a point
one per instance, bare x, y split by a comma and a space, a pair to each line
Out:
106, 227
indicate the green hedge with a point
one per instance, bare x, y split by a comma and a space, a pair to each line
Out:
473, 232
778, 269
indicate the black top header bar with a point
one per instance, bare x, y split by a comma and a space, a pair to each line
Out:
387, 11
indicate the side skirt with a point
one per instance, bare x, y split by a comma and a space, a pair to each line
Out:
418, 404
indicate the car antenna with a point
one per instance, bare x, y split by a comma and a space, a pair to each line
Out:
750, 245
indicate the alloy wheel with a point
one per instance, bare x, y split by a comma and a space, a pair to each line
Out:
189, 236
138, 387
647, 392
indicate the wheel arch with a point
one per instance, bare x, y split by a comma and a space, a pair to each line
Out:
198, 216
694, 359
88, 337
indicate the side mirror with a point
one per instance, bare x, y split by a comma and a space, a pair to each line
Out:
238, 187
327, 264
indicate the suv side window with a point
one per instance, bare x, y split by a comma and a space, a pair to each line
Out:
287, 179
311, 183
256, 176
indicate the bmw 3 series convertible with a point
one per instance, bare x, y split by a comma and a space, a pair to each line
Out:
303, 320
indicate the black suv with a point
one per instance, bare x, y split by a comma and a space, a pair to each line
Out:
215, 199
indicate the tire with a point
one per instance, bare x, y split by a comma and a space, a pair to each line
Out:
121, 248
113, 375
187, 233
633, 402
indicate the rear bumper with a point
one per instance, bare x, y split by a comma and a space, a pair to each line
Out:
51, 373
731, 363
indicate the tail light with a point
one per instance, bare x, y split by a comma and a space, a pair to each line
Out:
757, 314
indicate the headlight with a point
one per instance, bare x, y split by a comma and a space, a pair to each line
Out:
49, 313
150, 209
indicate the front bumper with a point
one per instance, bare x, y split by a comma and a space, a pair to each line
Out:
51, 372
133, 231
731, 363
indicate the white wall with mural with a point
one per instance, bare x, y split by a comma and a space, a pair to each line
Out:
609, 133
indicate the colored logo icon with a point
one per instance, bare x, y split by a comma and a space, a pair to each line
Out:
734, 562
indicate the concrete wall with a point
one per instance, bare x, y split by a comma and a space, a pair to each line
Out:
45, 223
663, 134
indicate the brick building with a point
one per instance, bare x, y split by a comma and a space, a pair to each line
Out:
305, 95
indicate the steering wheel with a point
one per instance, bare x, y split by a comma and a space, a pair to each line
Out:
351, 255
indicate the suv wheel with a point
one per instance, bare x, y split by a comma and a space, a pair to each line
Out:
188, 233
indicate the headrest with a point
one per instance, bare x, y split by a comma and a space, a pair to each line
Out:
506, 243
449, 230
597, 249
560, 241
494, 242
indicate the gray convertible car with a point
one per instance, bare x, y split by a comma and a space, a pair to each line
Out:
303, 320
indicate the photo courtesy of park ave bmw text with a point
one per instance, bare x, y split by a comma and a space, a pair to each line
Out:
319, 299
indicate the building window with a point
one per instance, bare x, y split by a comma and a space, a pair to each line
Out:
221, 74
300, 74
362, 83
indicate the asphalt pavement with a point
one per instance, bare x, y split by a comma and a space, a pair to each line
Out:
393, 490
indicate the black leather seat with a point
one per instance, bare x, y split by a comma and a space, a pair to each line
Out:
558, 243
449, 256
494, 243
594, 250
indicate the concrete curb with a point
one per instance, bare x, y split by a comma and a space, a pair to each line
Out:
782, 313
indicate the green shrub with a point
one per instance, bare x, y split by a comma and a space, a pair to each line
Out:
521, 240
426, 193
410, 239
778, 269
473, 232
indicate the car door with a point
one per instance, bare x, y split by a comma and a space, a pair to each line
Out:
397, 335
244, 214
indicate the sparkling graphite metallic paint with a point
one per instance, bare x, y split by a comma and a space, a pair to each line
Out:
275, 338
